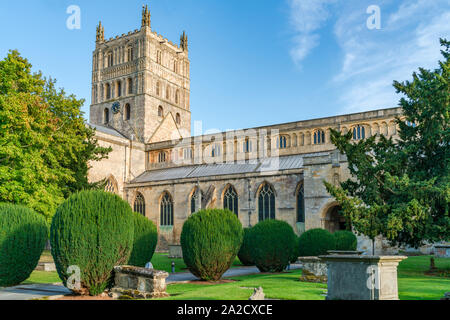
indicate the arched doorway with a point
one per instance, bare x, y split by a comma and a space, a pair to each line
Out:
334, 221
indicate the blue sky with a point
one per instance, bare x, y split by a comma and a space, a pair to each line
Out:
253, 62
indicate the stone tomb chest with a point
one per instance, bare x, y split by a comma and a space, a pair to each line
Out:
358, 277
139, 282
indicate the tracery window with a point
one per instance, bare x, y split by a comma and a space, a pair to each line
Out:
266, 203
230, 200
139, 204
166, 210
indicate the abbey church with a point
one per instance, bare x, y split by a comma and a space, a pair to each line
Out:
141, 108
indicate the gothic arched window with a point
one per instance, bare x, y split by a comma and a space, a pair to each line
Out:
108, 91
194, 198
319, 137
247, 146
130, 55
110, 186
110, 59
160, 112
119, 88
167, 93
166, 210
106, 116
130, 85
162, 157
139, 204
230, 200
359, 132
301, 204
178, 119
215, 151
127, 112
177, 96
266, 203
282, 142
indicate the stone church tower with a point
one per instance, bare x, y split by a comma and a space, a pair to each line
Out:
141, 84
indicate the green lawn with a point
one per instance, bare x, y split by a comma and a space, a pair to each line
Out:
42, 277
276, 286
412, 283
161, 261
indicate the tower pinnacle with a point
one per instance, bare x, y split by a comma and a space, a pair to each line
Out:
184, 41
100, 33
145, 16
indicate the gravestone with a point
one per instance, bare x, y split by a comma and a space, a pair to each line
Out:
313, 270
175, 252
258, 294
359, 277
442, 250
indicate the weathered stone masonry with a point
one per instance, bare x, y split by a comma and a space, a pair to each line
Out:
159, 168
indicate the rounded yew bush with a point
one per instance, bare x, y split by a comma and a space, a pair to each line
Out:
245, 253
144, 241
273, 244
345, 240
92, 231
316, 242
210, 240
23, 234
296, 251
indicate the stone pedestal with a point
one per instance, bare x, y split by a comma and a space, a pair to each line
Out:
313, 269
355, 277
442, 251
139, 282
175, 252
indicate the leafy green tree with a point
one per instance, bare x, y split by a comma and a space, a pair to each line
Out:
45, 144
401, 189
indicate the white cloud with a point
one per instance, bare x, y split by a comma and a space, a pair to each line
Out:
306, 18
409, 39
372, 59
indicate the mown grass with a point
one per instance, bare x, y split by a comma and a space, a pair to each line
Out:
413, 283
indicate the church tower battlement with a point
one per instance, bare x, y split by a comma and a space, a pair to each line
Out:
141, 84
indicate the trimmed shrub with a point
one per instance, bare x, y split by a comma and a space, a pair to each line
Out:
23, 234
210, 240
92, 230
273, 244
245, 253
345, 240
296, 252
144, 241
316, 242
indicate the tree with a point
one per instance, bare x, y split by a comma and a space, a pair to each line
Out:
401, 189
45, 143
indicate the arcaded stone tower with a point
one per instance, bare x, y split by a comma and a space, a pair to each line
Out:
141, 84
